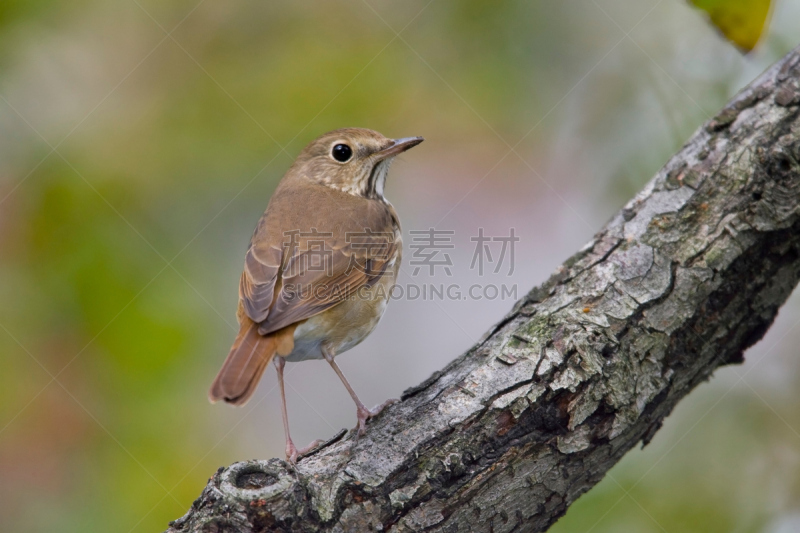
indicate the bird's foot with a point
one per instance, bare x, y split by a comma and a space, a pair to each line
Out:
365, 414
293, 454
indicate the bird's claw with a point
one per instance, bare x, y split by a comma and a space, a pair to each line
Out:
293, 454
365, 414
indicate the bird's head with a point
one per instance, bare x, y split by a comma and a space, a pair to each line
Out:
352, 160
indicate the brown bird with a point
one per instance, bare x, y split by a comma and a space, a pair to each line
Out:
320, 266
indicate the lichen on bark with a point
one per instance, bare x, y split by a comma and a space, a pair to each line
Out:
688, 275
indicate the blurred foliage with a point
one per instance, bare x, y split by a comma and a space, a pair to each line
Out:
120, 252
741, 21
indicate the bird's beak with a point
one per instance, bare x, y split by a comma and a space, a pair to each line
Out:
398, 146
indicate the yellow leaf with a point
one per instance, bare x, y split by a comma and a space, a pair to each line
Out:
741, 21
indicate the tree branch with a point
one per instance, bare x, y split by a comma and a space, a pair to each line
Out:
686, 277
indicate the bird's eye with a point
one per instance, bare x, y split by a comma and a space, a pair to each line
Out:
342, 152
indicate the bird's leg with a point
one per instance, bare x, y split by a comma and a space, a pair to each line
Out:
291, 449
292, 453
362, 412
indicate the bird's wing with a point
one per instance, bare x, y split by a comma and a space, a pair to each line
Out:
307, 272
260, 277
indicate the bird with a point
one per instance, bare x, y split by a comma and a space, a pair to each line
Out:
319, 269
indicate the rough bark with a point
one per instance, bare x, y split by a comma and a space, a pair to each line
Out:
687, 276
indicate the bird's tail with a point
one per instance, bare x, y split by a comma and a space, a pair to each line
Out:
242, 370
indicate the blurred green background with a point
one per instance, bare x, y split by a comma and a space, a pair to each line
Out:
140, 141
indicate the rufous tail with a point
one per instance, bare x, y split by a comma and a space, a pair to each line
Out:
242, 370
249, 356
